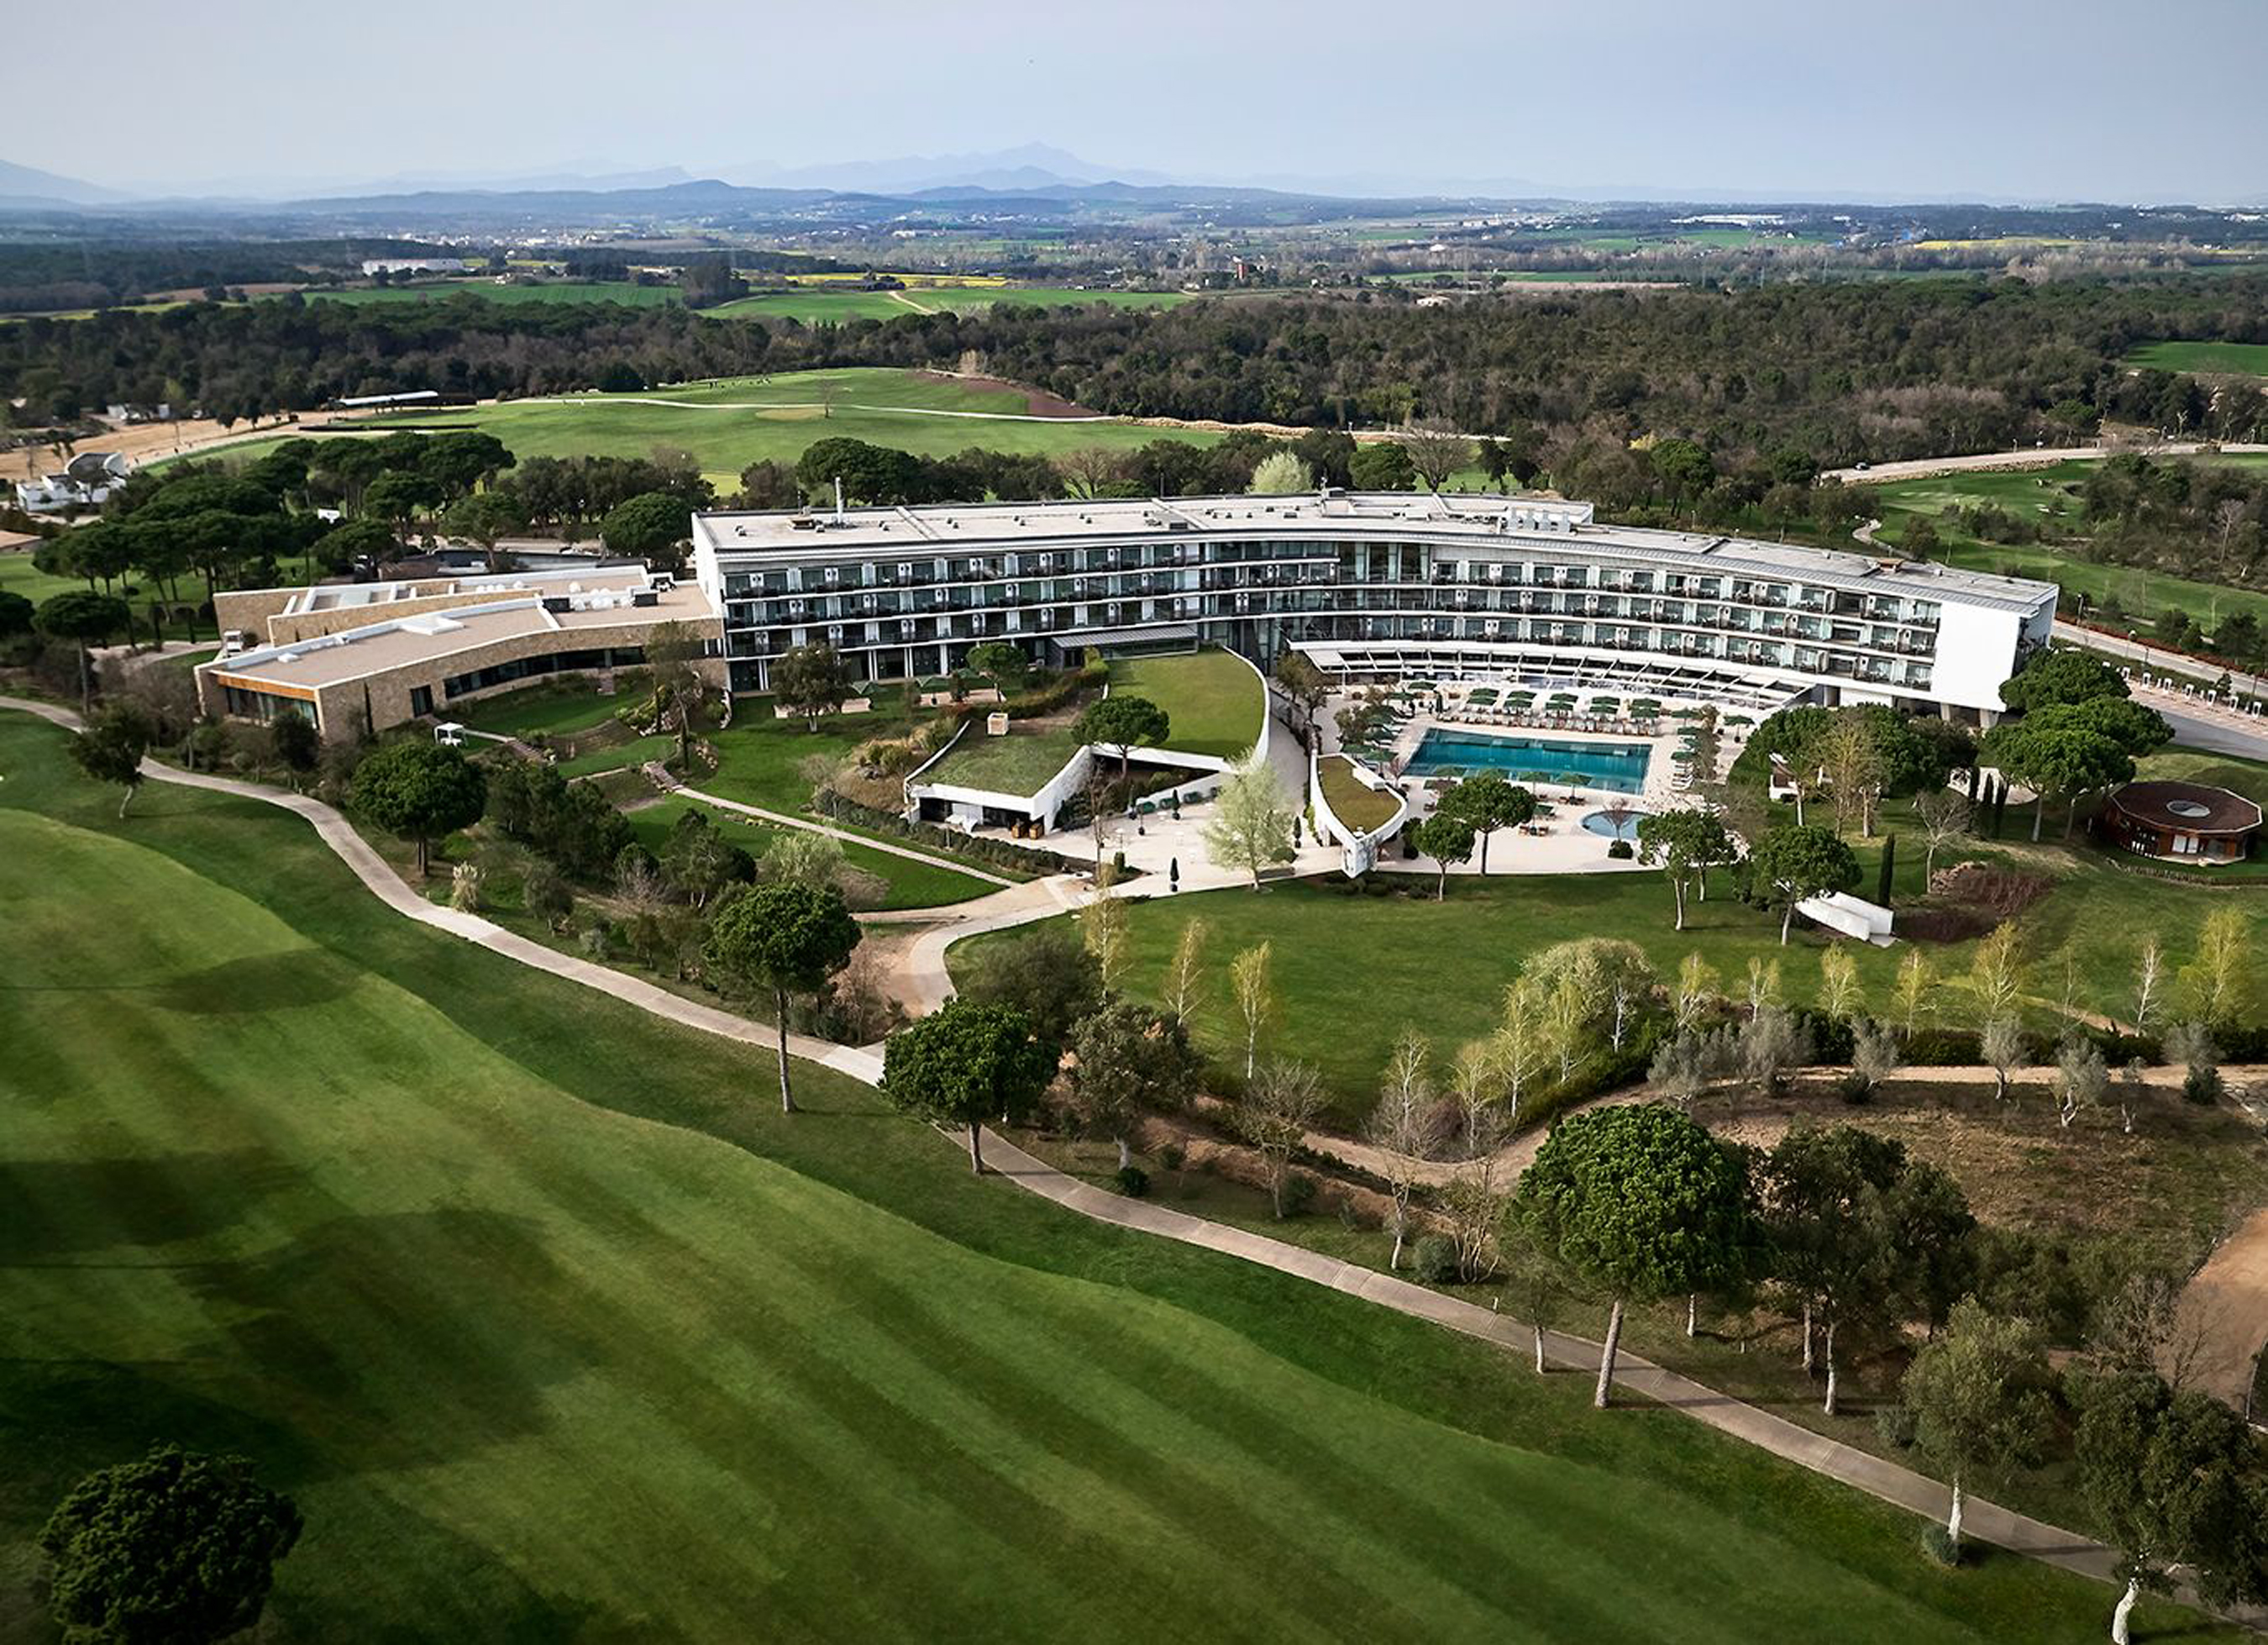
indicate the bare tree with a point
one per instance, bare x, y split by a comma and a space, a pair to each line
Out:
1405, 1128
1436, 451
2149, 978
1946, 814
1186, 972
2004, 1049
1279, 1106
1088, 469
1255, 1000
1102, 928
1472, 1204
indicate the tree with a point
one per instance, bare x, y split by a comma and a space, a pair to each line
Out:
811, 681
787, 938
1004, 662
1489, 801
1252, 819
1979, 1397
1771, 1046
2175, 1478
1437, 451
964, 1063
1445, 837
2218, 983
15, 616
1126, 1058
1102, 927
82, 617
1911, 989
1405, 1128
1946, 816
2081, 1078
2149, 978
2060, 676
176, 1547
1123, 723
1278, 1109
699, 862
1305, 684
1281, 473
1185, 973
1382, 466
1799, 862
2055, 760
1046, 972
1827, 1195
674, 651
649, 527
483, 517
1853, 763
1255, 999
110, 751
1839, 995
2003, 1045
420, 791
1683, 842
1642, 1203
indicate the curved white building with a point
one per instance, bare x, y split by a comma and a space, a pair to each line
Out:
1370, 586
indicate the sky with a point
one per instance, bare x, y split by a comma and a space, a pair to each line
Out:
2017, 100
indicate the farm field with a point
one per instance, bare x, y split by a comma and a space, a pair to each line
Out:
810, 303
2211, 359
551, 1326
729, 424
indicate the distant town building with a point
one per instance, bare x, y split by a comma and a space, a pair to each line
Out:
412, 265
159, 413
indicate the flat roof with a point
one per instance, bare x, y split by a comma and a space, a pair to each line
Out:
499, 584
2193, 807
402, 642
1478, 518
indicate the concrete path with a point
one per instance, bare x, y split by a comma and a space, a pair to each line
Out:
2224, 1315
2023, 457
1874, 1475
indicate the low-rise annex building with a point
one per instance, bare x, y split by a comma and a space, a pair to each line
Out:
2178, 822
1370, 586
377, 654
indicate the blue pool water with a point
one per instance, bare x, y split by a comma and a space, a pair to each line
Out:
1618, 767
1600, 824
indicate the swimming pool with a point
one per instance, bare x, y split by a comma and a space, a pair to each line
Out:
1618, 767
1606, 826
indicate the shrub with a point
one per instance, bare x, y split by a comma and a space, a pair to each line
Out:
1855, 1089
2202, 1086
1434, 1259
1939, 1547
1299, 1194
1894, 1424
1620, 848
1131, 1180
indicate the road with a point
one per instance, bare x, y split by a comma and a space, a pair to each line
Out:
2027, 457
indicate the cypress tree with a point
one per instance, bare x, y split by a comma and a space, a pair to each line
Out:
1889, 868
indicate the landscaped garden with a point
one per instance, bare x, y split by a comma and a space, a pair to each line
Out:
522, 1295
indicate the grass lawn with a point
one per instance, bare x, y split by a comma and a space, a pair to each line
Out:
911, 884
2230, 359
2049, 497
729, 424
19, 576
553, 1328
553, 708
1354, 972
1021, 762
1214, 701
1355, 803
759, 756
617, 757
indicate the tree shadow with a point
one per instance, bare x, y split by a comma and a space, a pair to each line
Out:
143, 1201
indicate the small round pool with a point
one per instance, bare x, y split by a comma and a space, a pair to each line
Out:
1606, 826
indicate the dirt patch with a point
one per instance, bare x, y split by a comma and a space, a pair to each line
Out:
1042, 402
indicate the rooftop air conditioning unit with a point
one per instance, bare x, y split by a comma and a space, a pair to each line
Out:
646, 597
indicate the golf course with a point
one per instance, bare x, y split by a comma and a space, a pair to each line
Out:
553, 1325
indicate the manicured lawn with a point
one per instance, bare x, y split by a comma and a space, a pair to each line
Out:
1354, 972
912, 884
761, 756
1355, 803
2233, 359
554, 708
19, 576
728, 425
816, 306
2249, 777
1213, 699
637, 751
296, 1176
1021, 762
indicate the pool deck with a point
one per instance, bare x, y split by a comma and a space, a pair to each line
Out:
1564, 846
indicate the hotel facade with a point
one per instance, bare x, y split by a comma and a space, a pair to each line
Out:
1369, 586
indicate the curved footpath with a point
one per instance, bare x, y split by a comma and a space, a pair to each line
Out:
1887, 1480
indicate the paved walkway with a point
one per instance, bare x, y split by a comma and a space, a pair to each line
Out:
1872, 1474
2224, 1314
